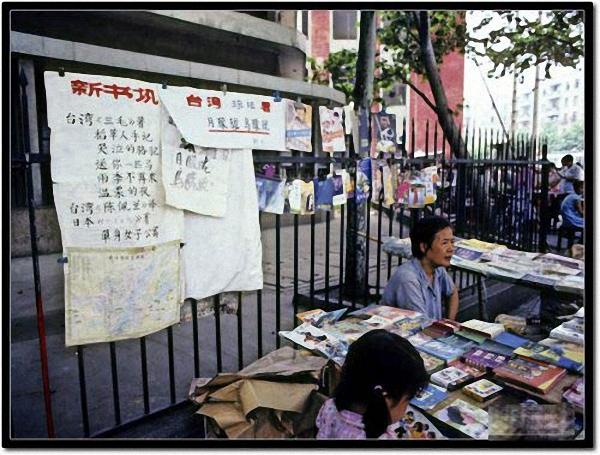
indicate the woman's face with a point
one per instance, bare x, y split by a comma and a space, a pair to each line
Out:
441, 249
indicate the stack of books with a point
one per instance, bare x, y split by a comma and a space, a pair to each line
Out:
451, 378
482, 390
482, 328
572, 351
441, 350
531, 375
431, 363
441, 328
484, 360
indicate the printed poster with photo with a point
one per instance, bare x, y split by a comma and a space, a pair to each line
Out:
298, 132
271, 196
383, 130
332, 129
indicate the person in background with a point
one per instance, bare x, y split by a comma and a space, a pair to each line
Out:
421, 283
571, 209
381, 374
569, 173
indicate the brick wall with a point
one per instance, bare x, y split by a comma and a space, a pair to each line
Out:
320, 28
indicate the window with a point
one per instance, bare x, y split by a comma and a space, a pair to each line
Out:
305, 23
344, 24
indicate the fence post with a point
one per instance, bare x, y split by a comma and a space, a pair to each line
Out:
544, 218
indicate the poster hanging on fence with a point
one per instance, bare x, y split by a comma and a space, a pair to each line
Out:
105, 148
416, 189
101, 304
195, 178
225, 254
298, 129
217, 119
383, 130
271, 194
332, 129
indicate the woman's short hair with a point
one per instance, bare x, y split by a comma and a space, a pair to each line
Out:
424, 231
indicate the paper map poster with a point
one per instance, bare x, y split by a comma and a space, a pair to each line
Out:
225, 254
298, 129
332, 129
195, 178
113, 294
211, 118
106, 162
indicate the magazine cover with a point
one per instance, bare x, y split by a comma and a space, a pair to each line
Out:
271, 197
307, 336
294, 195
431, 363
419, 339
450, 377
332, 129
407, 327
333, 349
414, 425
327, 318
323, 193
482, 390
363, 180
466, 418
466, 253
429, 397
298, 126
339, 194
441, 350
390, 313
383, 128
307, 201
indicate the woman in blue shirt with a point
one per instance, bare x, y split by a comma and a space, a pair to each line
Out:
571, 208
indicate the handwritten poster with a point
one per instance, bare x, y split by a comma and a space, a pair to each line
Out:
298, 129
195, 178
105, 148
332, 129
101, 304
211, 118
225, 254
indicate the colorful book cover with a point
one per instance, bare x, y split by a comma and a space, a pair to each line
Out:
573, 351
307, 203
466, 418
363, 180
431, 363
471, 336
576, 393
419, 339
472, 371
482, 390
414, 425
339, 194
510, 339
465, 253
450, 378
441, 350
496, 348
332, 129
407, 327
543, 353
483, 359
298, 126
429, 397
333, 349
458, 342
533, 375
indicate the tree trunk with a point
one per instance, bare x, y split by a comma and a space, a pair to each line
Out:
356, 282
437, 89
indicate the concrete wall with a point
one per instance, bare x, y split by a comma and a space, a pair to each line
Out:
48, 232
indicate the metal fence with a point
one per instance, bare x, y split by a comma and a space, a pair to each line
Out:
496, 193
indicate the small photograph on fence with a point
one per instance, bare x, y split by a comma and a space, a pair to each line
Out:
332, 129
415, 189
298, 132
363, 180
383, 129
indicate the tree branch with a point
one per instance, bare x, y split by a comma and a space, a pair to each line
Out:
421, 94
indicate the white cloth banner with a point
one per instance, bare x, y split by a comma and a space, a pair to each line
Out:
195, 178
210, 118
105, 150
225, 254
114, 294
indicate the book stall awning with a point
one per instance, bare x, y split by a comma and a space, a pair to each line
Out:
485, 381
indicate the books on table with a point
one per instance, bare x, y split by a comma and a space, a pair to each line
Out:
482, 390
471, 336
484, 360
564, 333
479, 245
431, 363
510, 339
429, 397
390, 313
419, 339
486, 329
538, 351
461, 343
450, 378
573, 351
497, 348
468, 419
576, 394
440, 350
473, 266
530, 374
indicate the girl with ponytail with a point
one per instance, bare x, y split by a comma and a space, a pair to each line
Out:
381, 374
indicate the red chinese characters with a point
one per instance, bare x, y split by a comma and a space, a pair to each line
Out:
144, 95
